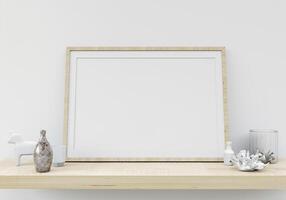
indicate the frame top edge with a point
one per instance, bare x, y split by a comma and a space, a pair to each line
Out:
175, 48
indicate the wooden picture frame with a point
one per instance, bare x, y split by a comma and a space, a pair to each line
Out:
205, 56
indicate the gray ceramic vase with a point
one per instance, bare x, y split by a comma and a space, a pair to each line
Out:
43, 154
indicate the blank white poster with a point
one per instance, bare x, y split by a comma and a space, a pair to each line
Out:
145, 105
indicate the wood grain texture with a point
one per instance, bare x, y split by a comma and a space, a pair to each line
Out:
142, 176
69, 50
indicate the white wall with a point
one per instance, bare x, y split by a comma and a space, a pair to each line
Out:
34, 34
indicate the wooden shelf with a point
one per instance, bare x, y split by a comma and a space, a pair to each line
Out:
142, 176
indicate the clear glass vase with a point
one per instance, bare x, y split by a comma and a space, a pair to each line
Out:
265, 141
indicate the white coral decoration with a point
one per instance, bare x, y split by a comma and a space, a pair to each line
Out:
246, 162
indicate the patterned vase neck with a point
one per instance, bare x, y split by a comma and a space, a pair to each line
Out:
43, 133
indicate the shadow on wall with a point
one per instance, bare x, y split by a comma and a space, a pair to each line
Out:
142, 195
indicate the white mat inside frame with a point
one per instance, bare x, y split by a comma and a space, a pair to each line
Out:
145, 105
